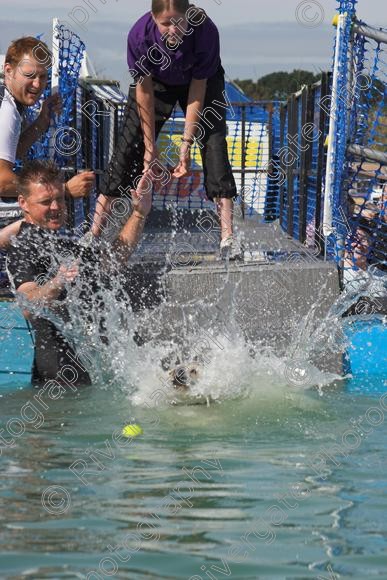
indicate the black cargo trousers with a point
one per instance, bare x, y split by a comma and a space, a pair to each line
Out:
127, 165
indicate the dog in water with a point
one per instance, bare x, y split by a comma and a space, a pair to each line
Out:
183, 377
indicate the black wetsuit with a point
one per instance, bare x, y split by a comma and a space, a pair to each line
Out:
35, 256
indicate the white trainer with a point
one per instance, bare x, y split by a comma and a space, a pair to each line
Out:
230, 249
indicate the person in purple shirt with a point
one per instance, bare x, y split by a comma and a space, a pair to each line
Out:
173, 57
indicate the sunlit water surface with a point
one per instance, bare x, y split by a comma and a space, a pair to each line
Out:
261, 473
267, 478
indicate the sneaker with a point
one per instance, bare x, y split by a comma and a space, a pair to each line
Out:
230, 249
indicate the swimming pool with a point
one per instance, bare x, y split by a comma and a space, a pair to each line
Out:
277, 482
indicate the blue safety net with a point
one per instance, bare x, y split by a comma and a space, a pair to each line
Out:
360, 143
252, 139
61, 142
300, 161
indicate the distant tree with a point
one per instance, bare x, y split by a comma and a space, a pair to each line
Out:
250, 88
277, 85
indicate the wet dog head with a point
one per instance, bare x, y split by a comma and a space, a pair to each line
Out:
184, 376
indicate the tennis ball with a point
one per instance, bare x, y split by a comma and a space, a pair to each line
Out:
132, 430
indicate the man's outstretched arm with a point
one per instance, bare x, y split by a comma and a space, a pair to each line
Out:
130, 234
46, 294
78, 186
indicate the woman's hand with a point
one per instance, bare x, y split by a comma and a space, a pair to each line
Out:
196, 96
183, 167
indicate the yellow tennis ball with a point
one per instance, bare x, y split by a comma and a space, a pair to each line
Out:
132, 431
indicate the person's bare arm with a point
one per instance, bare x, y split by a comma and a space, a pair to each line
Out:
196, 95
50, 291
101, 214
130, 234
78, 186
81, 184
7, 233
146, 110
30, 135
8, 180
50, 106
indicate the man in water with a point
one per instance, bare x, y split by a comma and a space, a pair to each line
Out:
26, 67
43, 266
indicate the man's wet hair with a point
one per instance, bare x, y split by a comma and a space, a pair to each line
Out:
38, 171
30, 46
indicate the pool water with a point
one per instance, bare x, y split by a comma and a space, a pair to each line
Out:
267, 481
279, 483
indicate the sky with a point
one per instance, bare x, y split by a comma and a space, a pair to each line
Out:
257, 36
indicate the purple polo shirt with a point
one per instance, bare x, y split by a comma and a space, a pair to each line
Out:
196, 57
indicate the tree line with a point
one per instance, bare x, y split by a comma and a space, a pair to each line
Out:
277, 85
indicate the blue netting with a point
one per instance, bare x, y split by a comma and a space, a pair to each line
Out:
360, 185
250, 127
347, 6
272, 205
301, 156
341, 104
284, 211
296, 172
61, 142
313, 176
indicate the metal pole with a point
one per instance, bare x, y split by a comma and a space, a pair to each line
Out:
243, 162
55, 55
367, 153
331, 157
370, 32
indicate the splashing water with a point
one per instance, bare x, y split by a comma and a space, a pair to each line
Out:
328, 335
134, 349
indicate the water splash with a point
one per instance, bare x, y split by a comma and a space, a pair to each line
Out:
134, 349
